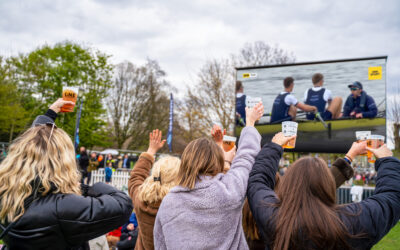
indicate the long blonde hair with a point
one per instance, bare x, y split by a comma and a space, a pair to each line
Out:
37, 166
162, 179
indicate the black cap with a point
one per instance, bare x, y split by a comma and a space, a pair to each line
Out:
42, 119
356, 85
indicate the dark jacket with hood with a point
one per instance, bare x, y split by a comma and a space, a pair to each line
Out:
68, 221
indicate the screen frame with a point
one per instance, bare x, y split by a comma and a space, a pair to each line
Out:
323, 149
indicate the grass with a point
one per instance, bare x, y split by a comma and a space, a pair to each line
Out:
391, 241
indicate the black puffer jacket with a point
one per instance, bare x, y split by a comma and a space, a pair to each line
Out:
68, 221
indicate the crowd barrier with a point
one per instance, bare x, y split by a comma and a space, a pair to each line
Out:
120, 179
343, 195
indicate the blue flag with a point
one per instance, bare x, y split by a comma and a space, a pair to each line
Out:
171, 122
78, 119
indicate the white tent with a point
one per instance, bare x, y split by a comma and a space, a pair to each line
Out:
109, 151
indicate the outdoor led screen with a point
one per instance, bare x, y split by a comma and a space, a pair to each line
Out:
349, 95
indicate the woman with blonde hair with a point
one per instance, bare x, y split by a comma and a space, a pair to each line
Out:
204, 211
148, 189
42, 203
302, 213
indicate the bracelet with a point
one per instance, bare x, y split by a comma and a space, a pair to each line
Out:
348, 157
347, 160
230, 163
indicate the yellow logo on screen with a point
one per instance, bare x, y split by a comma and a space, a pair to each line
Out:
375, 73
249, 75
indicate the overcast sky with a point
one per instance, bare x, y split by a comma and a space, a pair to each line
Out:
182, 35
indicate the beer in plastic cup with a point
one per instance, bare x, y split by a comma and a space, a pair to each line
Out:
69, 94
289, 129
374, 141
252, 101
362, 136
228, 142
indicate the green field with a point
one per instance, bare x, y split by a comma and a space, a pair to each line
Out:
391, 241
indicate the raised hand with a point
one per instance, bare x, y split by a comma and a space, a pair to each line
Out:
217, 134
381, 152
281, 139
254, 114
357, 148
56, 106
155, 142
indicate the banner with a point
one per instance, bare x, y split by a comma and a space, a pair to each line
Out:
78, 119
171, 122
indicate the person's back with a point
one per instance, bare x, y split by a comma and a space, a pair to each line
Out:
148, 190
42, 204
205, 210
303, 213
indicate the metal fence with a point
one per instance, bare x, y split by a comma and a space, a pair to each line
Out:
343, 195
119, 178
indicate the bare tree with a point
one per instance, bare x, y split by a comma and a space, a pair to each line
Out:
260, 53
214, 94
138, 103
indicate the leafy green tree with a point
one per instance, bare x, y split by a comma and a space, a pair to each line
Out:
42, 73
12, 114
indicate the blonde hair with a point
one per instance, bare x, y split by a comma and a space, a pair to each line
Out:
201, 157
37, 166
166, 170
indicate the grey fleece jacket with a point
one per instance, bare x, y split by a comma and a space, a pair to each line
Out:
210, 215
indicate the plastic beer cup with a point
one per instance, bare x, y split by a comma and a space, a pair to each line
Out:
228, 142
252, 101
374, 141
362, 136
69, 94
289, 129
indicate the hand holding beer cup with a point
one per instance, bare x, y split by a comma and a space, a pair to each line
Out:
69, 94
381, 152
228, 143
357, 148
363, 136
289, 129
254, 114
57, 105
281, 139
229, 155
374, 142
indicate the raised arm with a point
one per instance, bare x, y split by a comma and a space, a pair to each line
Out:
381, 211
235, 180
142, 167
51, 114
341, 168
260, 190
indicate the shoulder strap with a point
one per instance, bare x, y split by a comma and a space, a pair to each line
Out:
28, 202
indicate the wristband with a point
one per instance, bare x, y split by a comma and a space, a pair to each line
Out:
347, 160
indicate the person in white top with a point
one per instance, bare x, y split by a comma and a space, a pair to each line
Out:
285, 104
319, 97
